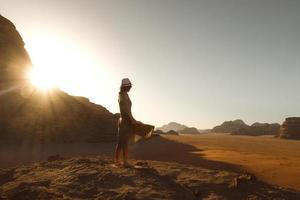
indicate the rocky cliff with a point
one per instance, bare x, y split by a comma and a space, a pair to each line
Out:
30, 116
14, 59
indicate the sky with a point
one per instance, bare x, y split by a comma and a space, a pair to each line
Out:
198, 63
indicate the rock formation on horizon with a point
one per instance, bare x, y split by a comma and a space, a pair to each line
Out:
259, 129
239, 127
29, 116
171, 132
290, 129
229, 126
189, 130
172, 126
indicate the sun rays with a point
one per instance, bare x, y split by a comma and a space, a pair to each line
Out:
43, 79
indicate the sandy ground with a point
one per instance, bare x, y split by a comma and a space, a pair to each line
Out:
275, 161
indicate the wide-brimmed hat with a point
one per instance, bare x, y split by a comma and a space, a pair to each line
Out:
126, 82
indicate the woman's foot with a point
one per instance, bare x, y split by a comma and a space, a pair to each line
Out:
117, 164
126, 164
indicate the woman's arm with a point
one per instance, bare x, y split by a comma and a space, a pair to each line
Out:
124, 103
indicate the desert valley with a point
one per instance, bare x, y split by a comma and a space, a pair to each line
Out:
54, 145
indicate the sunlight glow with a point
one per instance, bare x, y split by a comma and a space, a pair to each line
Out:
42, 79
60, 62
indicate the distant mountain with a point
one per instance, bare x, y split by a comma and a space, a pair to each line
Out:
229, 126
259, 129
171, 132
29, 116
172, 126
191, 130
238, 127
204, 131
179, 128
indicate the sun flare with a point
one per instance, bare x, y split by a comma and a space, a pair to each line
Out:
41, 78
61, 63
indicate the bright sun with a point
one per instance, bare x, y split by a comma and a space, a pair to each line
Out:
60, 64
43, 79
64, 64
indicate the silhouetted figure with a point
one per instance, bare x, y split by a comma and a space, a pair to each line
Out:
126, 122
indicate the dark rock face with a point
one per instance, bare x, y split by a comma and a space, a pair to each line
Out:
229, 127
14, 59
191, 130
31, 116
290, 128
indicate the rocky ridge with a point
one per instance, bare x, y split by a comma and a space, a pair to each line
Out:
97, 178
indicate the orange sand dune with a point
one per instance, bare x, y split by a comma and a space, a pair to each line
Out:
275, 161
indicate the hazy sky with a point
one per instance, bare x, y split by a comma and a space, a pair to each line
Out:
194, 62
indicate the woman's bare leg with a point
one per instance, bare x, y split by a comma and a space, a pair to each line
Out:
117, 155
125, 155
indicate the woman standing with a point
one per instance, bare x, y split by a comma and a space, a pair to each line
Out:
126, 122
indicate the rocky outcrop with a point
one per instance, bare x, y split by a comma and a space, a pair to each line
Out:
30, 116
97, 178
172, 126
229, 126
290, 128
191, 130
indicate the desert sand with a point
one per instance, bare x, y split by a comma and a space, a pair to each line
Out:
276, 161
